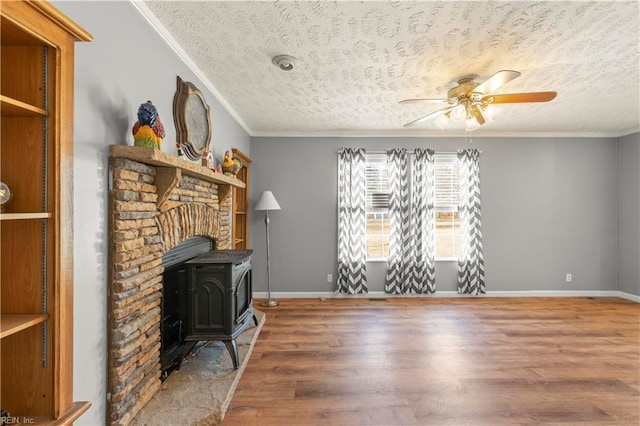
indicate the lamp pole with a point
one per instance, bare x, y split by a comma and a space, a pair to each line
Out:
269, 302
265, 203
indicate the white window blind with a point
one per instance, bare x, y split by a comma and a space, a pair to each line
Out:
446, 206
377, 175
377, 183
446, 190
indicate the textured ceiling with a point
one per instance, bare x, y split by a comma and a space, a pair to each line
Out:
356, 60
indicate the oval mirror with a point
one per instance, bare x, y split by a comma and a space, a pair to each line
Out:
191, 115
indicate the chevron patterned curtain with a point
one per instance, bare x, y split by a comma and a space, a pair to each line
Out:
397, 279
423, 266
352, 222
411, 262
471, 260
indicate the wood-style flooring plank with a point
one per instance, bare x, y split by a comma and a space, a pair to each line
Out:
437, 361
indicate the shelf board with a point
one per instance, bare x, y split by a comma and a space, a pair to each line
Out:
16, 108
72, 414
18, 216
13, 323
242, 213
158, 158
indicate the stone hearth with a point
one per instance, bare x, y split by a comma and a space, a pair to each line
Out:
156, 201
201, 391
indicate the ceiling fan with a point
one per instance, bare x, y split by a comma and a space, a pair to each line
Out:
468, 100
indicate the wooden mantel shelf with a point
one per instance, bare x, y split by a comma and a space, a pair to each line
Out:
171, 168
162, 159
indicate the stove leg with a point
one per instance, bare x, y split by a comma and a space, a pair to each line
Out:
232, 347
255, 320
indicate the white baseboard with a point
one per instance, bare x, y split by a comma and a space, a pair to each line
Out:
381, 294
629, 296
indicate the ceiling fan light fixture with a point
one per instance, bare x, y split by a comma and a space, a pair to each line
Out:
284, 62
490, 112
441, 121
458, 113
471, 124
470, 101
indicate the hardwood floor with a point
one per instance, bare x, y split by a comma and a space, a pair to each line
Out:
462, 361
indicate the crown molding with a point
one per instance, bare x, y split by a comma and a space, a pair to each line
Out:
430, 134
175, 46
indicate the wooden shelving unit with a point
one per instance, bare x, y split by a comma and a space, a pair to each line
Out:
240, 213
13, 323
36, 231
18, 216
15, 108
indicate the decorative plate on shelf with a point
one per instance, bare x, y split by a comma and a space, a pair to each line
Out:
5, 195
192, 120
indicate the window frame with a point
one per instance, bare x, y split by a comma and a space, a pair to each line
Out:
451, 206
446, 203
377, 205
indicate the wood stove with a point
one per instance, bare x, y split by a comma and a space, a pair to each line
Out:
206, 296
173, 347
219, 297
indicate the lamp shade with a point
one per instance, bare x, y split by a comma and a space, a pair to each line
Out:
267, 202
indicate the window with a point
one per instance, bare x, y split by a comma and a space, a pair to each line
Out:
447, 219
377, 206
446, 207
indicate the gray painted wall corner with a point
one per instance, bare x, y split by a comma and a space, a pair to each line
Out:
629, 214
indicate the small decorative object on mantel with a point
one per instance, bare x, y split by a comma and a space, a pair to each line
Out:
179, 149
148, 130
5, 196
231, 165
207, 159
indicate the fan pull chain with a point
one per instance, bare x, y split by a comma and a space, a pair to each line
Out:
468, 136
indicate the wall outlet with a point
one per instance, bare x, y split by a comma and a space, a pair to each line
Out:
329, 278
568, 278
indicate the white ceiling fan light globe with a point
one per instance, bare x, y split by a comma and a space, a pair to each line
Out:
471, 124
490, 112
459, 113
441, 121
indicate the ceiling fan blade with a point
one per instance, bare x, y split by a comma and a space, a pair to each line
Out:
423, 101
496, 81
429, 116
479, 115
512, 98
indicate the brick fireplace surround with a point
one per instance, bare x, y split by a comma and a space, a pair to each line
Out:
156, 201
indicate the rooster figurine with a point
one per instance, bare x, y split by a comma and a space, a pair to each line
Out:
148, 130
231, 165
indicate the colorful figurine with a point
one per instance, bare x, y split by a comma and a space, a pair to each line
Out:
148, 130
231, 165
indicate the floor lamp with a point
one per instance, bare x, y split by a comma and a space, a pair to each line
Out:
265, 203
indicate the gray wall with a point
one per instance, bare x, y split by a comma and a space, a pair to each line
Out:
549, 208
629, 214
545, 213
126, 64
